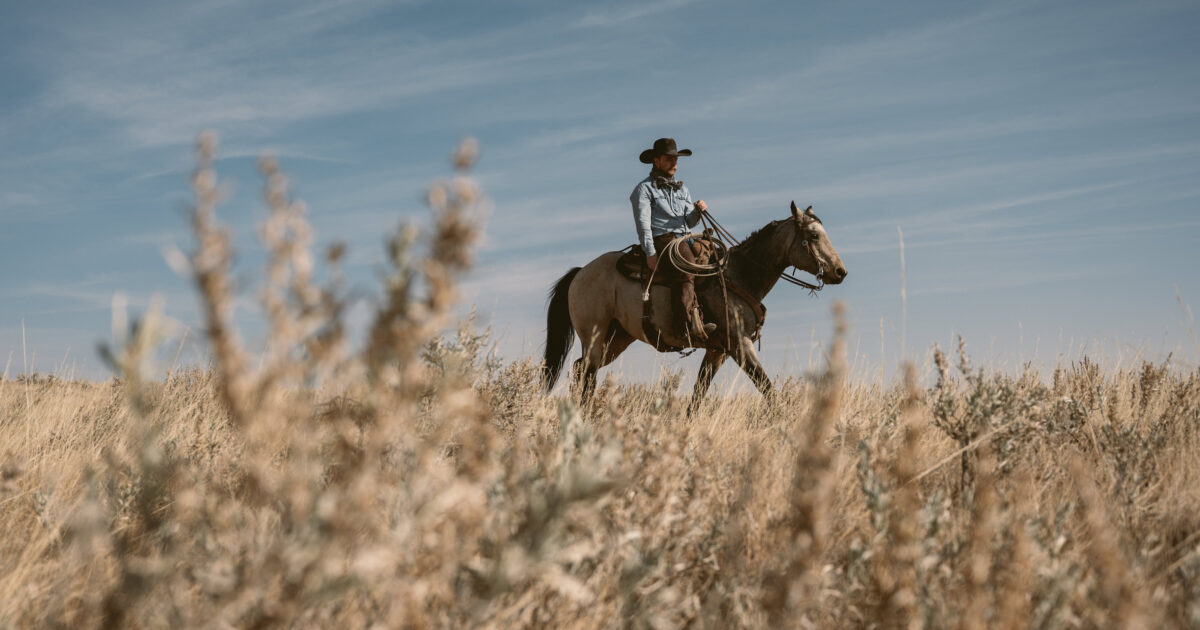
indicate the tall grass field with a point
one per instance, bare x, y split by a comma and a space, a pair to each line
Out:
413, 480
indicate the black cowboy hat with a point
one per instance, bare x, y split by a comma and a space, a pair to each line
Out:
662, 146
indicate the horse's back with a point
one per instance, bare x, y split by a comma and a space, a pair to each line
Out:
596, 285
600, 294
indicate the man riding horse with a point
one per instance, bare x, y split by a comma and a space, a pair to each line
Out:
609, 308
663, 211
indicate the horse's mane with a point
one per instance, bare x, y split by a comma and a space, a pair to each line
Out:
757, 237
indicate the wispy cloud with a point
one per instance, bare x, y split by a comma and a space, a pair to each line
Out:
1009, 281
1018, 233
628, 12
911, 183
86, 295
900, 45
160, 80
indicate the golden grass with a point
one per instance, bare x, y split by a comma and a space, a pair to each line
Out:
420, 483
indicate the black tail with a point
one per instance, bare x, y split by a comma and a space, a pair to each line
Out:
560, 334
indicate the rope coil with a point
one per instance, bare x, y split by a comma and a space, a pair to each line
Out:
671, 254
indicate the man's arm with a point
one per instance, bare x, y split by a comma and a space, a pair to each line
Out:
698, 208
641, 217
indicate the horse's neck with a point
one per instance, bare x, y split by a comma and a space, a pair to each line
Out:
757, 269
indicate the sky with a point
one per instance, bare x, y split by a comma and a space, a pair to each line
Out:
1040, 159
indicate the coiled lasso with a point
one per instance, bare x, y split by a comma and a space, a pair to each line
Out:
671, 254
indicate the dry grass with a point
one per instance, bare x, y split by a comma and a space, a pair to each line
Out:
423, 484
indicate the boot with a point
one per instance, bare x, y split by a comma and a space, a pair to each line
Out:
697, 328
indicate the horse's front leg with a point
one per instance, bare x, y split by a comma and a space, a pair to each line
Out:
746, 357
708, 369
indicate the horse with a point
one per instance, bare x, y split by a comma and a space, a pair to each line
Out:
604, 308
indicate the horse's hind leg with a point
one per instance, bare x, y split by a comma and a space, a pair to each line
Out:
585, 378
708, 369
598, 352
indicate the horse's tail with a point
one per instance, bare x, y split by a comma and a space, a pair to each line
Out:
560, 333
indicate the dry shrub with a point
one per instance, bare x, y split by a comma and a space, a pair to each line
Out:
421, 482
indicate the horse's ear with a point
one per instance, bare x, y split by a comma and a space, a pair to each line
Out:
795, 210
809, 211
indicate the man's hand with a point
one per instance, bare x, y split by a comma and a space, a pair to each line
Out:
701, 206
652, 262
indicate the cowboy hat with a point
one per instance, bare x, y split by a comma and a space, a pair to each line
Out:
662, 146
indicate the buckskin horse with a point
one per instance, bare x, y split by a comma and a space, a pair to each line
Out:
605, 308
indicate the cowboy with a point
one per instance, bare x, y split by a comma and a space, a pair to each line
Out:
663, 211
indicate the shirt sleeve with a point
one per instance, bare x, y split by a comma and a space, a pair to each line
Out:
641, 217
693, 215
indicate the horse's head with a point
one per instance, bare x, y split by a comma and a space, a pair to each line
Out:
811, 250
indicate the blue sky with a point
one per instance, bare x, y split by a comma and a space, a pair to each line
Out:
1041, 158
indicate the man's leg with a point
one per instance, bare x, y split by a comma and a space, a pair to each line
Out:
693, 318
693, 314
668, 272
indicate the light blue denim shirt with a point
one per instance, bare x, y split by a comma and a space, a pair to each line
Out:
659, 211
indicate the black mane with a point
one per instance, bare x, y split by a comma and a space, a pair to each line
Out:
754, 241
